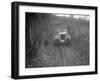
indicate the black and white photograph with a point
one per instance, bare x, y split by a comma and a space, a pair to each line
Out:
56, 39
51, 40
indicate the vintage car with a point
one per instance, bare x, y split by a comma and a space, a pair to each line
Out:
62, 36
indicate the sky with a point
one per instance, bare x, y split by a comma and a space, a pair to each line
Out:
76, 16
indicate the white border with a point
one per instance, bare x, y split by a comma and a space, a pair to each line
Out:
52, 70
